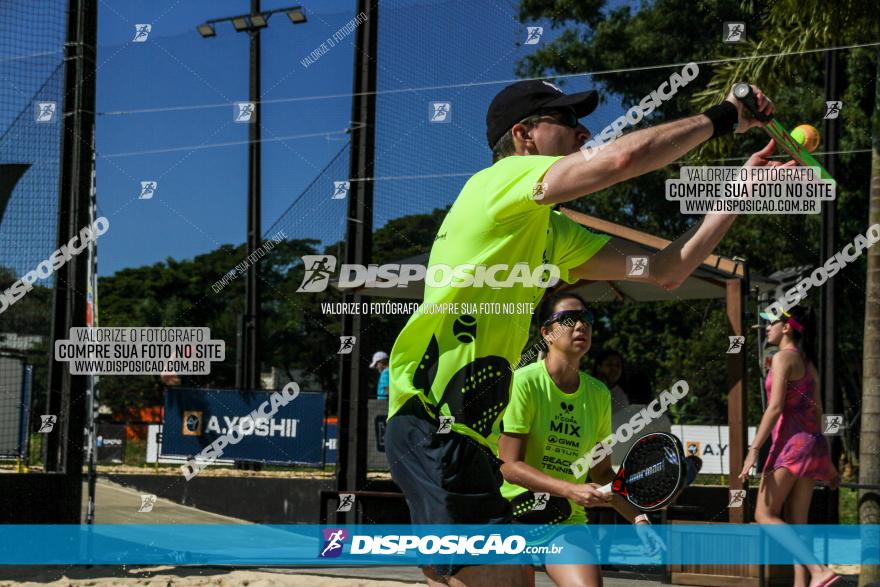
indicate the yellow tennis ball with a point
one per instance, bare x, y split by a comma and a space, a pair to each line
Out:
807, 136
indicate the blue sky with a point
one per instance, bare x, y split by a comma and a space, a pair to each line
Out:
201, 195
165, 110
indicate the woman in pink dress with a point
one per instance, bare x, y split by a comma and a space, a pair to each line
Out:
799, 454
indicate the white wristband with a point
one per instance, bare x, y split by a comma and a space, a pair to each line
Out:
642, 518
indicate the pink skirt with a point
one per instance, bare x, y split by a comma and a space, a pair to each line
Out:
803, 454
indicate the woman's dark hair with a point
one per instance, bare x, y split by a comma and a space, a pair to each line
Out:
600, 358
635, 382
622, 381
806, 339
545, 309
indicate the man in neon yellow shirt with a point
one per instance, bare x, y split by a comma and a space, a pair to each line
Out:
450, 370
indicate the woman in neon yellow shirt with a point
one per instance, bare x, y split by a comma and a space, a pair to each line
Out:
557, 413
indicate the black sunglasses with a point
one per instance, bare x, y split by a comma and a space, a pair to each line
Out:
569, 317
564, 116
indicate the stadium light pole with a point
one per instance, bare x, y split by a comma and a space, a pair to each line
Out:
247, 373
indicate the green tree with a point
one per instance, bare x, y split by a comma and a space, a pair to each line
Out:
685, 339
296, 332
675, 31
788, 30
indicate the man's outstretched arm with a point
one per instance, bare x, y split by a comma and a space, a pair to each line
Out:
637, 153
670, 266
667, 268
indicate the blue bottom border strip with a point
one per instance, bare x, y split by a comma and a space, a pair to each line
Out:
306, 545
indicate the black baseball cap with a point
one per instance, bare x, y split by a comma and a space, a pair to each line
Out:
522, 99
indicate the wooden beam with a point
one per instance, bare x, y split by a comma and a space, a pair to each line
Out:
737, 290
618, 292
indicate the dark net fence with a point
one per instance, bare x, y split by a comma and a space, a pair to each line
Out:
439, 66
318, 213
32, 39
430, 138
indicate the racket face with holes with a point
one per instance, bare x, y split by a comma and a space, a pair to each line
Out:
653, 471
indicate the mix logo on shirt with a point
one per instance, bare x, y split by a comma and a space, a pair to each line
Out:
565, 423
564, 439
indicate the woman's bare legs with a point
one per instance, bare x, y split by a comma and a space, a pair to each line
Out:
575, 575
776, 488
483, 576
801, 575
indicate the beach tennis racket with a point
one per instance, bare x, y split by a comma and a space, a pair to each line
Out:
654, 471
744, 93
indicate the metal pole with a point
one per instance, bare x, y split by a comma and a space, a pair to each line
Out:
92, 322
240, 351
351, 455
67, 392
252, 288
827, 323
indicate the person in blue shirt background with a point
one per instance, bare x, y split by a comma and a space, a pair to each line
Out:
380, 364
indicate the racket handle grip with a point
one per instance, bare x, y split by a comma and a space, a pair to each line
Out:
744, 93
606, 489
693, 465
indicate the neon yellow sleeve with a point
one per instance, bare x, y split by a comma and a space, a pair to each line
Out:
603, 430
573, 244
520, 412
510, 186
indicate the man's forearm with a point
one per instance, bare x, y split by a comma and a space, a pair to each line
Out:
653, 148
681, 257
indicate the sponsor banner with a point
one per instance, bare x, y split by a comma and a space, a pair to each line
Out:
111, 442
195, 418
377, 414
710, 443
313, 545
154, 452
13, 432
330, 441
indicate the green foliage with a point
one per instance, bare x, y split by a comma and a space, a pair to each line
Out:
688, 339
29, 314
179, 293
296, 333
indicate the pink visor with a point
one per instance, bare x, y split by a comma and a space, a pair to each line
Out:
793, 323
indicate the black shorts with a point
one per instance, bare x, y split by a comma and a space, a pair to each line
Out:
445, 478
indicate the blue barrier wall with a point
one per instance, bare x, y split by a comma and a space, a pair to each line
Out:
195, 418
